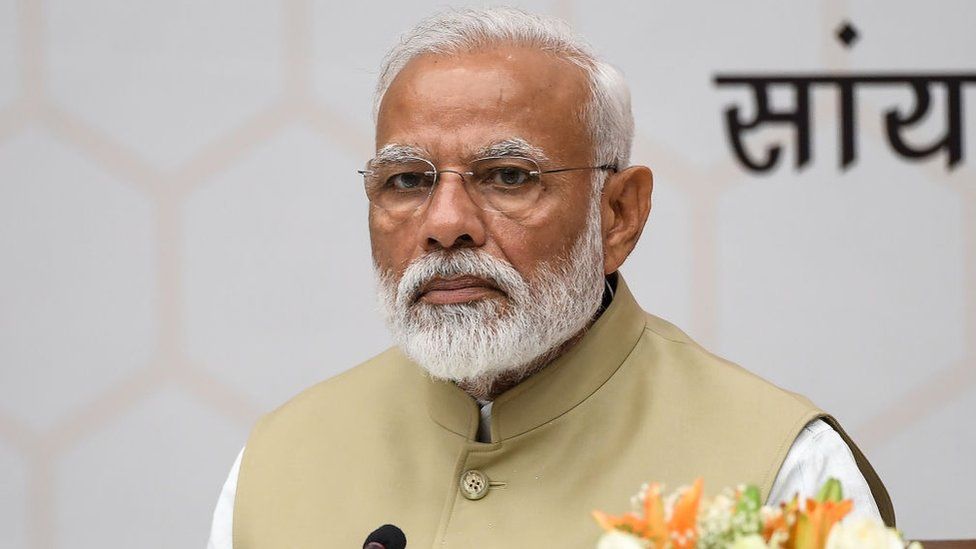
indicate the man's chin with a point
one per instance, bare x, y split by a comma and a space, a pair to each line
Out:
482, 377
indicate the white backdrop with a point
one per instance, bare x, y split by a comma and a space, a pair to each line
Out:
183, 241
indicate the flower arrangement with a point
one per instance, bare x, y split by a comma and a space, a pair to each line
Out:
736, 519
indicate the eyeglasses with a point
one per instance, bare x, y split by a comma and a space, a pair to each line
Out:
509, 184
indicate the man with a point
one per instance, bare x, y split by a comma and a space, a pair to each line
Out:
527, 387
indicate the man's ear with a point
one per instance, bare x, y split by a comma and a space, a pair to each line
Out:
625, 205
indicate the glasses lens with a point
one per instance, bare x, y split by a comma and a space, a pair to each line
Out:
399, 186
506, 184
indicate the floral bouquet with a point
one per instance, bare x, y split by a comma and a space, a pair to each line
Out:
737, 519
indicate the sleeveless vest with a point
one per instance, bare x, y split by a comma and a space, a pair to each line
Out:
634, 401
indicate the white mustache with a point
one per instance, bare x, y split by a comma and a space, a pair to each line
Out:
463, 262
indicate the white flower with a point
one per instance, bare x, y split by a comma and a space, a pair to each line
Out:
620, 540
753, 541
863, 533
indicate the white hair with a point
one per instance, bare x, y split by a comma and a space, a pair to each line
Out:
607, 113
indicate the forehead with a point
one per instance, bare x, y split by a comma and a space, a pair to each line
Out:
454, 104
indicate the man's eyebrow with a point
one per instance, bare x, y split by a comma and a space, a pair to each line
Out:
513, 146
397, 152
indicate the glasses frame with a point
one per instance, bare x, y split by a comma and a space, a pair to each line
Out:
464, 175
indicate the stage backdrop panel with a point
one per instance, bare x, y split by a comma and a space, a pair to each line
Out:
183, 239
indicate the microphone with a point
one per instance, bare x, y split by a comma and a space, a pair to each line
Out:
386, 537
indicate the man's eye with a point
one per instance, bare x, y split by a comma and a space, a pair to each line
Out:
406, 181
508, 177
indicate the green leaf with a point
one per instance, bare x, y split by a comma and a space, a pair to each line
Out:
749, 500
745, 518
831, 491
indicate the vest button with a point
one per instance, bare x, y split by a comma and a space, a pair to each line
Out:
474, 484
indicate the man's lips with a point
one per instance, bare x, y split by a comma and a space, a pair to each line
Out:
442, 291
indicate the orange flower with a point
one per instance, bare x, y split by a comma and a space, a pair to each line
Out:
628, 522
783, 524
657, 530
682, 527
793, 526
813, 527
651, 526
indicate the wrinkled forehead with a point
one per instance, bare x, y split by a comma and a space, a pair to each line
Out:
473, 100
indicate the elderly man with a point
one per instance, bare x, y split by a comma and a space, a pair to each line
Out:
527, 386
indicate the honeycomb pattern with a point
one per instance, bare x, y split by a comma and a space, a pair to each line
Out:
175, 102
106, 470
184, 243
63, 223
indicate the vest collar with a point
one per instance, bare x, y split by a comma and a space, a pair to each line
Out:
556, 389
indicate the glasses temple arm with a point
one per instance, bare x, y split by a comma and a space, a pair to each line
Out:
610, 167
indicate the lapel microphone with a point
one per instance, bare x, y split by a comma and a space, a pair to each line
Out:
386, 537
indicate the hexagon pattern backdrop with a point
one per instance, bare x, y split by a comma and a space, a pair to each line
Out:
183, 239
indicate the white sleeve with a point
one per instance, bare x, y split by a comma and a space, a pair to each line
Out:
817, 454
222, 527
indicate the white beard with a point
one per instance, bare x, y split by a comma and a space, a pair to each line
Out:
481, 340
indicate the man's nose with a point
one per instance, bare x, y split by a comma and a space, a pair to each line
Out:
451, 219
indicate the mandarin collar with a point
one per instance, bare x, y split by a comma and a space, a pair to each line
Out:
556, 389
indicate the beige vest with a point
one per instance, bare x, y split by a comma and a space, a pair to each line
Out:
634, 401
